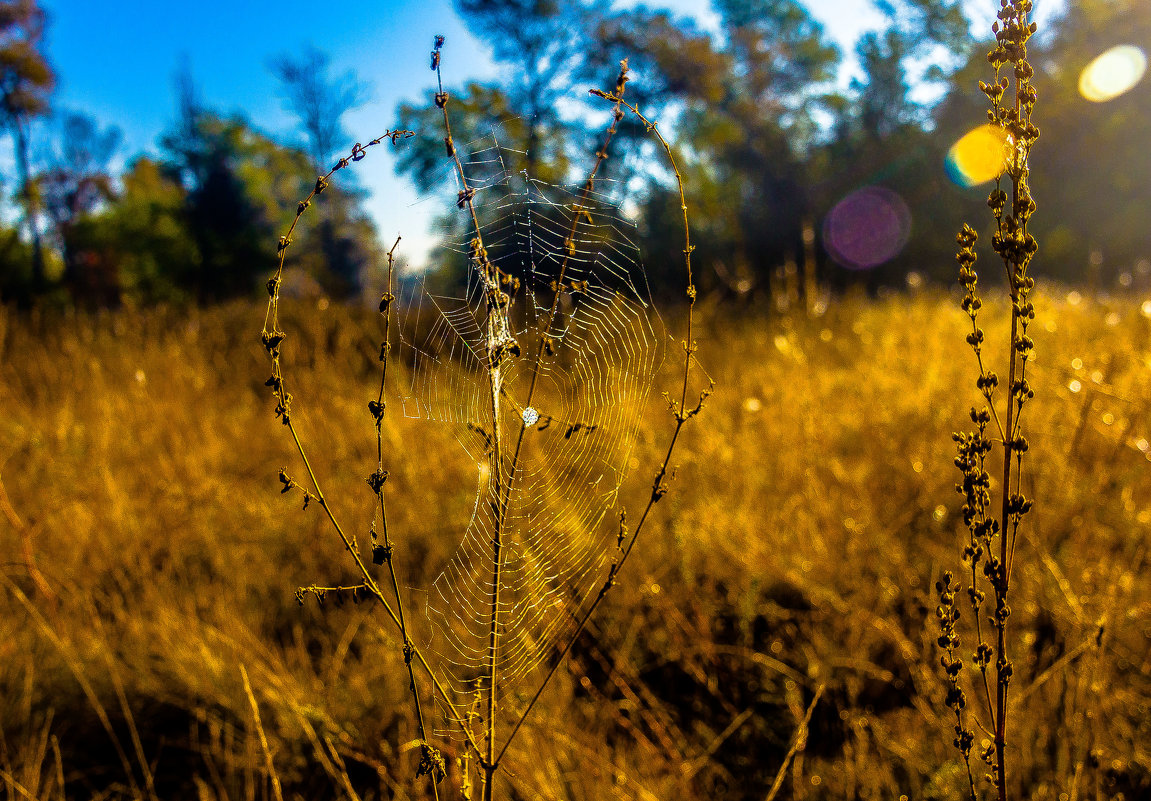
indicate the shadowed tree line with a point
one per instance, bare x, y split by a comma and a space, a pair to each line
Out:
772, 140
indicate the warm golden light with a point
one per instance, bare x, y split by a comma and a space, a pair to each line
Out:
1113, 73
980, 156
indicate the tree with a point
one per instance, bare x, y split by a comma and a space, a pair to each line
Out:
927, 24
1091, 171
476, 111
318, 101
882, 134
138, 247
233, 228
754, 143
540, 42
242, 188
783, 64
671, 62
884, 107
76, 181
26, 80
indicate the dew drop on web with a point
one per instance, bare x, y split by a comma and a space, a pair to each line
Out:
531, 417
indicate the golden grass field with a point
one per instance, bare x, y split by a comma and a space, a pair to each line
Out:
813, 511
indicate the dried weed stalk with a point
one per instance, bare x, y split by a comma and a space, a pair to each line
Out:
431, 762
993, 529
501, 346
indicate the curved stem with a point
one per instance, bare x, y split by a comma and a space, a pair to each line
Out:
388, 556
680, 413
272, 337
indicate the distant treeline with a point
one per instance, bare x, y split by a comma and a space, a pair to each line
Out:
783, 165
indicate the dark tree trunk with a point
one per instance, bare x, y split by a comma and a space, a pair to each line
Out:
39, 279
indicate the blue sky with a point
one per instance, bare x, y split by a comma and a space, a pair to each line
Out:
116, 59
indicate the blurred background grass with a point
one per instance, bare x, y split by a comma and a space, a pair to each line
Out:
813, 511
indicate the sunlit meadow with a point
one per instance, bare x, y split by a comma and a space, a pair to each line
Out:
181, 615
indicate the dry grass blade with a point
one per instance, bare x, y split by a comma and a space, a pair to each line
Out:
269, 765
798, 743
133, 732
76, 667
26, 551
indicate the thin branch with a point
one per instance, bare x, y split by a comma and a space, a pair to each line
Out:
272, 338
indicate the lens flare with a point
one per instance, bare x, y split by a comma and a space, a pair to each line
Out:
1115, 72
867, 228
980, 156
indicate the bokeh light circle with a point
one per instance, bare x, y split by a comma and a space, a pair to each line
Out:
867, 228
978, 157
1115, 72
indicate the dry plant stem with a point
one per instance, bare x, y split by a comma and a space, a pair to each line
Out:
681, 413
569, 248
496, 308
374, 588
497, 568
546, 326
272, 337
1016, 247
1015, 263
428, 756
659, 486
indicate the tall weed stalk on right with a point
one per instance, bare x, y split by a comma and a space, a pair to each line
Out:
993, 514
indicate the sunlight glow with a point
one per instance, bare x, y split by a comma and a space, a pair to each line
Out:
980, 156
1115, 72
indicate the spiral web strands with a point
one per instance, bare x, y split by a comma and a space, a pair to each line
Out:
595, 379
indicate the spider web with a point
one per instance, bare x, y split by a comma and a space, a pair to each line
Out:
578, 427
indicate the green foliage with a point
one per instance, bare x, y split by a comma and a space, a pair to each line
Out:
196, 224
73, 185
752, 141
539, 43
26, 79
16, 272
670, 61
478, 111
142, 241
230, 224
774, 145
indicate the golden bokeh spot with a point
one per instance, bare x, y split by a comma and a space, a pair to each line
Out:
1115, 72
979, 156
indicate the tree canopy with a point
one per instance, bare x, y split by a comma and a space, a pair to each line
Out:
779, 148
